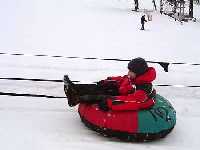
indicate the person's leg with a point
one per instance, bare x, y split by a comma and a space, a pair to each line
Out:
75, 91
84, 93
93, 99
88, 89
94, 89
142, 26
92, 92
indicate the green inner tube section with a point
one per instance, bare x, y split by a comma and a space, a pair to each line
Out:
161, 116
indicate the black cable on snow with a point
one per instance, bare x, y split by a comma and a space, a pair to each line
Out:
48, 80
29, 95
179, 86
29, 79
162, 64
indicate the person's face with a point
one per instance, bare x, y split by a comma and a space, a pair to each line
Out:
131, 74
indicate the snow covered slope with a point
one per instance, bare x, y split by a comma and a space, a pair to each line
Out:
89, 28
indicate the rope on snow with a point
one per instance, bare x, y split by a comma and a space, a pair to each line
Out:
162, 64
51, 96
26, 79
29, 95
48, 80
29, 79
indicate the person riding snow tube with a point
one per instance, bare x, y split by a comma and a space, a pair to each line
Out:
126, 107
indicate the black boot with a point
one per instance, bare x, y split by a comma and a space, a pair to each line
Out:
70, 92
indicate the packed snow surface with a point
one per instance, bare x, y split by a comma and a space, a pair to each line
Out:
90, 28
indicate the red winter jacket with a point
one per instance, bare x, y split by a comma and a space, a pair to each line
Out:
131, 97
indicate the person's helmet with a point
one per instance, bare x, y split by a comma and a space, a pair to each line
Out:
138, 66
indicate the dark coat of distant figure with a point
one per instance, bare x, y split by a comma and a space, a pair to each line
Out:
143, 20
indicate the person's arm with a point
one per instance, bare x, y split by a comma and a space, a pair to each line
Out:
130, 102
117, 80
135, 101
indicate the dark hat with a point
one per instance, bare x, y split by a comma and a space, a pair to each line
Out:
138, 66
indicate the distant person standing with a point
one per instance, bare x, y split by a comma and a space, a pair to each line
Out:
143, 20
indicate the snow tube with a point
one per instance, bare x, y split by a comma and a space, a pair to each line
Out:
143, 125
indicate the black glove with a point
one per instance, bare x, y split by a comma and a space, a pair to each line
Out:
103, 105
107, 83
110, 87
